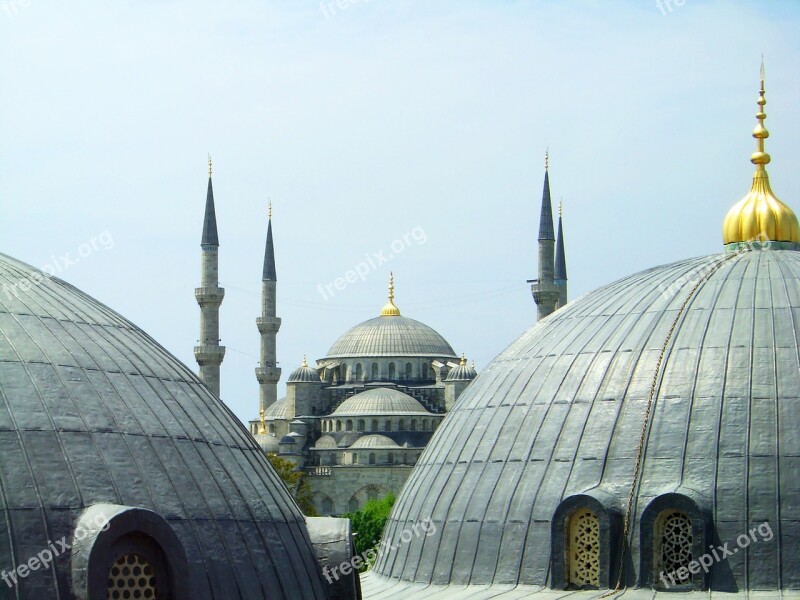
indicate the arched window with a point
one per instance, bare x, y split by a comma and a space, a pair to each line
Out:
349, 425
359, 372
408, 370
132, 576
353, 504
361, 425
673, 545
374, 425
413, 424
355, 458
327, 506
390, 458
332, 459
372, 458
388, 425
271, 428
401, 425
374, 371
338, 425
584, 549
343, 373
391, 371
425, 371
424, 424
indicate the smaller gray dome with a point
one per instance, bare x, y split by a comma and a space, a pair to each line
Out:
277, 410
287, 439
379, 401
326, 442
462, 372
375, 441
304, 374
268, 442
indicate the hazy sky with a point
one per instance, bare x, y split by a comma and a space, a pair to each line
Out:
367, 123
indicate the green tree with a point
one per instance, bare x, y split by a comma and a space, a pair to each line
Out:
295, 480
367, 524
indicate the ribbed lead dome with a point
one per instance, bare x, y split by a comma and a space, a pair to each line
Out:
93, 412
379, 401
390, 336
554, 422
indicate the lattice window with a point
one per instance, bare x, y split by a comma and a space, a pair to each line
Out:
131, 577
584, 549
674, 545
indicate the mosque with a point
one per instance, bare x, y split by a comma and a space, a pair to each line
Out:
636, 442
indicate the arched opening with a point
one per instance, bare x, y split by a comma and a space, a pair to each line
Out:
413, 424
349, 425
401, 426
327, 506
332, 459
359, 372
673, 546
408, 370
584, 549
361, 425
338, 425
390, 458
374, 425
388, 425
355, 458
352, 505
132, 576
375, 374
425, 371
372, 458
392, 373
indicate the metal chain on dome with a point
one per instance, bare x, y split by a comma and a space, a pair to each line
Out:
648, 413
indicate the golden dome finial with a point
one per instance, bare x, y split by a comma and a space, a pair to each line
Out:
262, 426
390, 310
547, 158
305, 362
209, 164
463, 362
760, 215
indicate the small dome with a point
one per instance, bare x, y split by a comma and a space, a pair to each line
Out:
375, 441
326, 442
287, 439
462, 372
304, 374
277, 410
268, 442
379, 401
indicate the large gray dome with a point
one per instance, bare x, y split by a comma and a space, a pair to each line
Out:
94, 413
554, 422
390, 336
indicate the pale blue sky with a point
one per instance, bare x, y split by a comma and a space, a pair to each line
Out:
363, 125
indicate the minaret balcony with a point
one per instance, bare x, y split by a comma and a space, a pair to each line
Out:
268, 374
209, 296
209, 355
268, 324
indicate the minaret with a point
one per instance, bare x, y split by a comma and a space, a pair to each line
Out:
268, 373
560, 271
544, 290
209, 295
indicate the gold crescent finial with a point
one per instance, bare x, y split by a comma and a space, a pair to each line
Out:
209, 165
305, 362
390, 310
760, 157
547, 158
463, 360
262, 426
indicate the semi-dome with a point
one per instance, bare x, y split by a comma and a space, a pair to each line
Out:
379, 401
100, 424
691, 367
374, 441
326, 442
304, 374
390, 334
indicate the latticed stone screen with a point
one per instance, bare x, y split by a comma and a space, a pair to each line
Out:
674, 546
131, 577
584, 549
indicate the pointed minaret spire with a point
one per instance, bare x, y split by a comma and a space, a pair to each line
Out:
208, 353
560, 270
390, 309
267, 373
544, 290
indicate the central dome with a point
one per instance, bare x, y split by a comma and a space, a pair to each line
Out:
391, 336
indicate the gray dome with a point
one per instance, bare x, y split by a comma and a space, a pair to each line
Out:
555, 420
379, 401
390, 336
276, 410
96, 414
374, 441
304, 374
326, 442
461, 372
268, 442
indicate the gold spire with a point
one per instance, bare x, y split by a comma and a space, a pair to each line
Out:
305, 362
463, 360
390, 310
269, 209
561, 207
547, 158
209, 165
760, 215
262, 426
